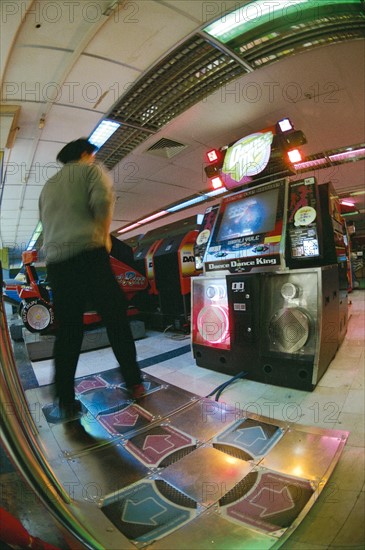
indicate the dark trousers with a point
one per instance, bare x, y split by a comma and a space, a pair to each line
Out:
87, 279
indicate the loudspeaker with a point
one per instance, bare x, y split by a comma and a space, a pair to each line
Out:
210, 324
281, 328
299, 326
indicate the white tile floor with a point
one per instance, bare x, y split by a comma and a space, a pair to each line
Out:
336, 521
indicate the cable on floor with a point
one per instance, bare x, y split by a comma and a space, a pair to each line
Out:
220, 389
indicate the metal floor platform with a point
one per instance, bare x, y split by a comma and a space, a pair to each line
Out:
176, 470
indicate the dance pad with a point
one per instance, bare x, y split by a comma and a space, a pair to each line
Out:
175, 470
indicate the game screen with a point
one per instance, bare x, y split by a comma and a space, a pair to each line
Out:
249, 216
249, 231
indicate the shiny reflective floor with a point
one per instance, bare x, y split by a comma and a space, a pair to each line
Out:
262, 467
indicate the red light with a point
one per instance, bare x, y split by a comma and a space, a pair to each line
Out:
217, 182
294, 155
213, 324
347, 203
213, 155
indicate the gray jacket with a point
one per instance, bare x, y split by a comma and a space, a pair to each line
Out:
75, 208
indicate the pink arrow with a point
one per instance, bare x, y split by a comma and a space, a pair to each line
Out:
273, 501
125, 418
158, 443
87, 385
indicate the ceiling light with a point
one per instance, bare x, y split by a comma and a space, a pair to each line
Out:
216, 192
103, 131
35, 236
294, 156
217, 182
186, 204
246, 18
285, 125
143, 222
347, 155
347, 203
352, 213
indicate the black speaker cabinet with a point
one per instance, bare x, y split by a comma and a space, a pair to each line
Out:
299, 328
244, 299
281, 328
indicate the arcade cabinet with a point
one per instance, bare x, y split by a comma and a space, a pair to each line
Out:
174, 266
269, 301
145, 263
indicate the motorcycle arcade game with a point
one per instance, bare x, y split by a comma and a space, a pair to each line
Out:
36, 308
269, 303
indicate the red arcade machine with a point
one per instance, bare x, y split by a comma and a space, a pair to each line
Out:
36, 308
269, 301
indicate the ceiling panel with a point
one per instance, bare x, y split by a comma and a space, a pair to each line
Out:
141, 32
33, 74
96, 84
33, 191
59, 24
11, 192
66, 123
202, 11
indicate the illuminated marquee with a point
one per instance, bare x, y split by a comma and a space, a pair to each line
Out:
247, 157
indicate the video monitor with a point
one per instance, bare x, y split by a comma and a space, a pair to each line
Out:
249, 216
249, 231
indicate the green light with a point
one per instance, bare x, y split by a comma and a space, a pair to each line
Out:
260, 12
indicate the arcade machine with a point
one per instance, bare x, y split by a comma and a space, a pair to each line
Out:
205, 231
317, 236
145, 263
174, 264
268, 303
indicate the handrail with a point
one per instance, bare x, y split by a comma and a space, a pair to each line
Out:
18, 434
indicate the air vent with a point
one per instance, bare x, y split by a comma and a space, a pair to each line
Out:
166, 148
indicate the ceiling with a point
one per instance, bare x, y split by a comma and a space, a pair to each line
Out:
149, 64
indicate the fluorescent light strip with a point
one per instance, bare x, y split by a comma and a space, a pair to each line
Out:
143, 222
216, 192
186, 204
37, 232
310, 164
343, 156
196, 200
102, 133
175, 208
246, 18
348, 155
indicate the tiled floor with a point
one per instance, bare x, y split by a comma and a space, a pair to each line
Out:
336, 519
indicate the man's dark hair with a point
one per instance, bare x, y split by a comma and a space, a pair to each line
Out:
74, 150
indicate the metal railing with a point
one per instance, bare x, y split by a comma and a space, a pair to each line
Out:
18, 434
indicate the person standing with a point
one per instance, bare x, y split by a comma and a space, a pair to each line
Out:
75, 208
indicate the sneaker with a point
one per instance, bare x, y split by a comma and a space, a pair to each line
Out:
137, 391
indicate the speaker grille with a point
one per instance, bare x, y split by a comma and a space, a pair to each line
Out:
289, 329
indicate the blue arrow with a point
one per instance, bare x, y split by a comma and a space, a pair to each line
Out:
143, 512
249, 436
